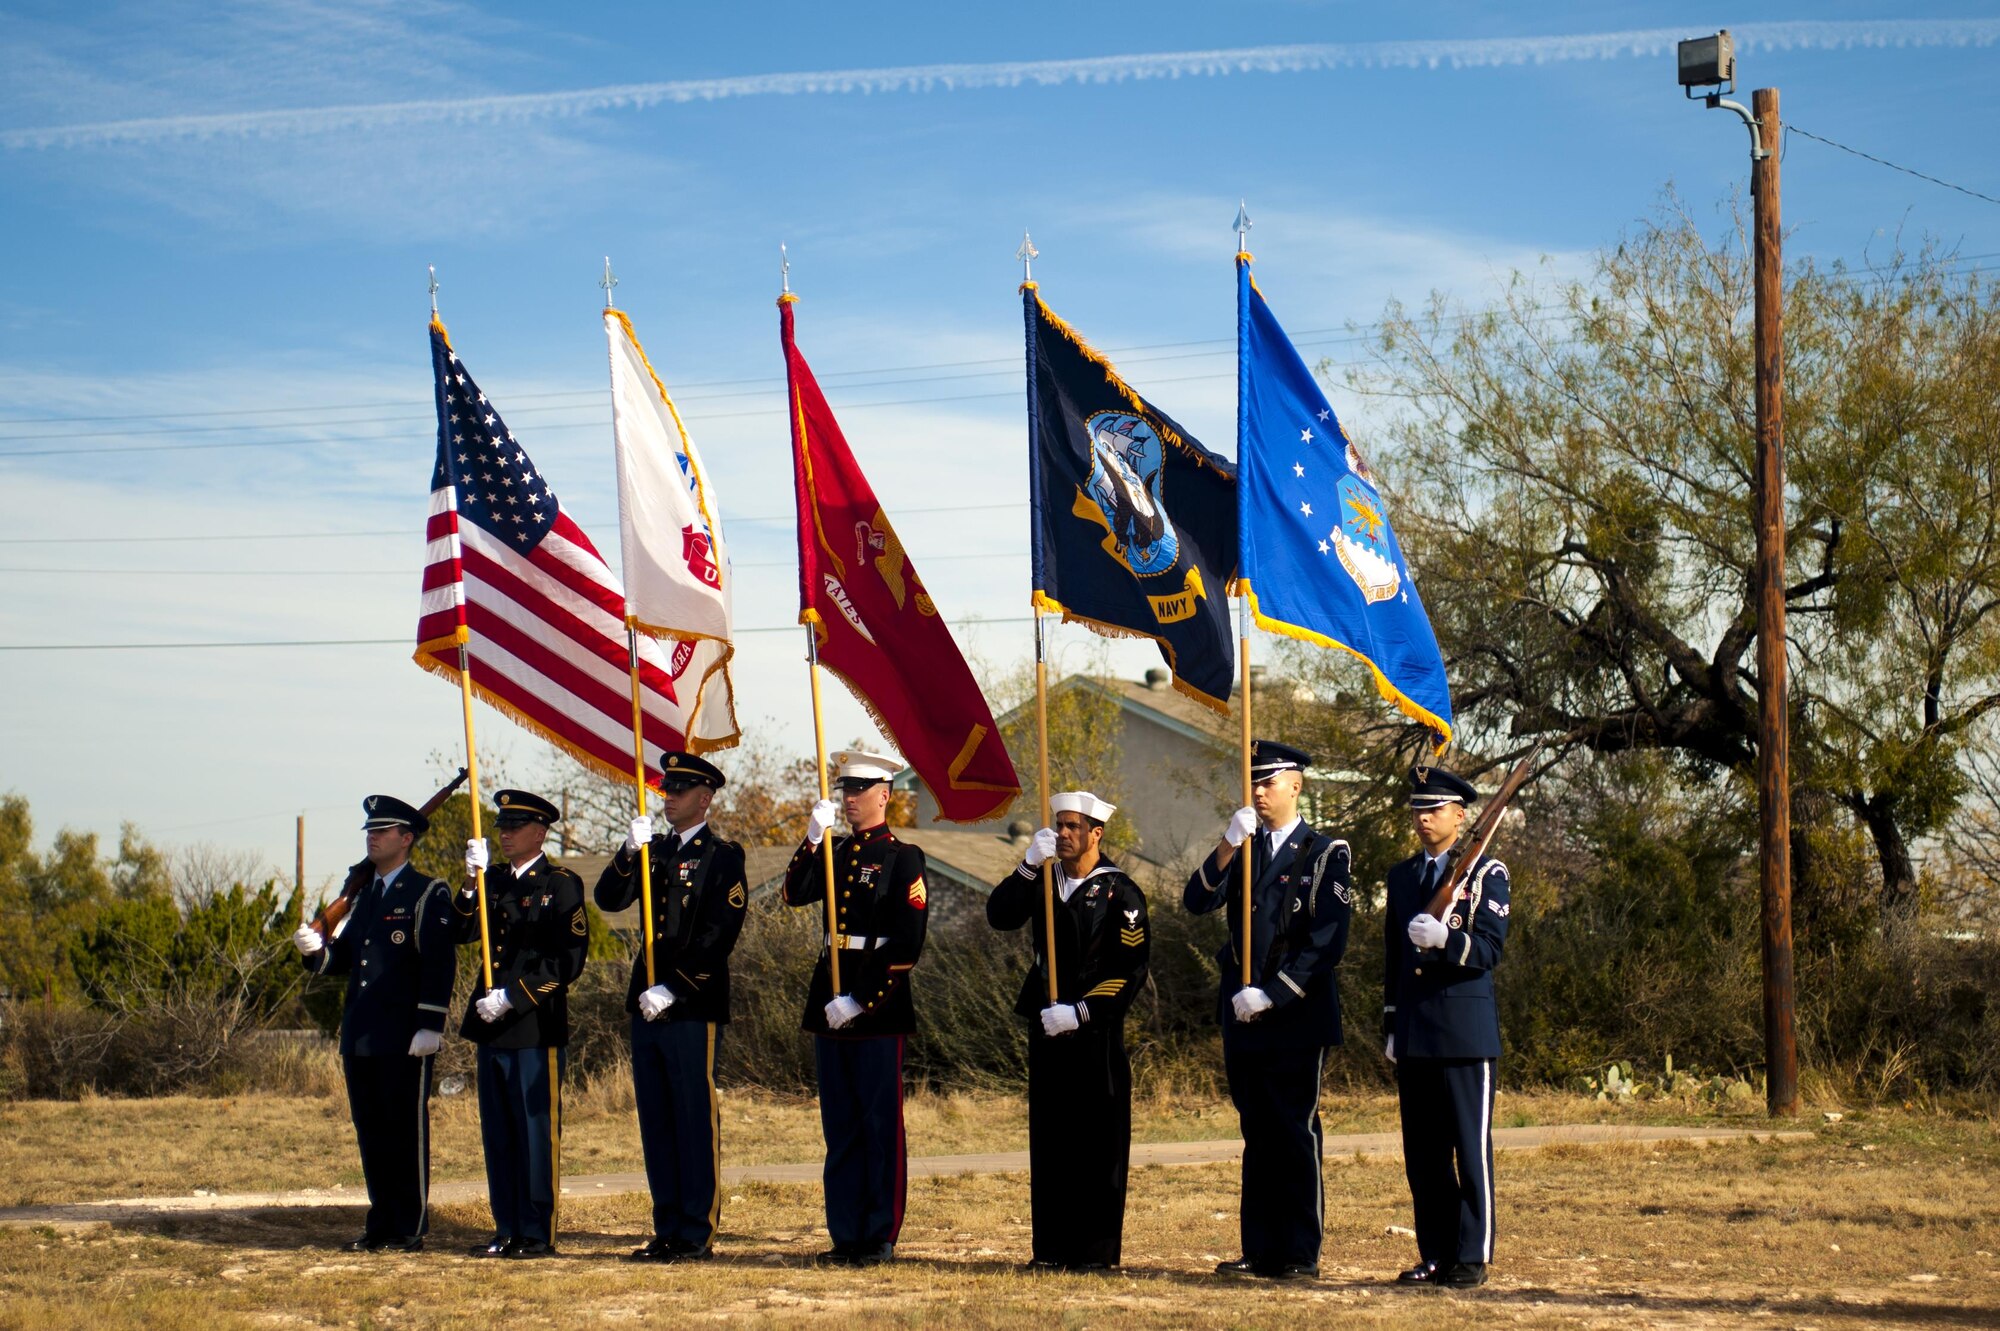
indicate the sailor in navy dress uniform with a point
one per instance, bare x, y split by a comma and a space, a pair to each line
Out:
699, 895
1276, 1030
880, 914
1079, 1078
1443, 1034
540, 937
395, 947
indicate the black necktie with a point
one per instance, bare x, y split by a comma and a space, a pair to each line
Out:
673, 842
1431, 868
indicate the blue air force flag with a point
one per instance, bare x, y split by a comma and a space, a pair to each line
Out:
1316, 554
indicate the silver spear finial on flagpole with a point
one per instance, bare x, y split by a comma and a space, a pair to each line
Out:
1242, 227
784, 269
1026, 254
608, 282
434, 289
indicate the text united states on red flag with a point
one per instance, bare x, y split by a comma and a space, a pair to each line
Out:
541, 616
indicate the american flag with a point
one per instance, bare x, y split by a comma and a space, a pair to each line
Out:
510, 577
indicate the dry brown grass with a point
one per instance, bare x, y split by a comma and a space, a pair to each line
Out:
1827, 1233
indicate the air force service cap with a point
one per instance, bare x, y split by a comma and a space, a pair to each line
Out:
857, 770
1435, 788
681, 771
1268, 758
519, 808
1083, 802
381, 811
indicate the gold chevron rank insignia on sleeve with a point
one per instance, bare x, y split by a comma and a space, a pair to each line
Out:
579, 924
1131, 937
737, 896
919, 895
1109, 989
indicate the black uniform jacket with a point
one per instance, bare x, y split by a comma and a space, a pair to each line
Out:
880, 906
395, 948
1300, 904
699, 896
1439, 1002
1102, 943
541, 935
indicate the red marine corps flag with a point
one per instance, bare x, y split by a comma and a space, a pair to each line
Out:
873, 622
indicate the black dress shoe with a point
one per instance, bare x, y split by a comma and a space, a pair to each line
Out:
1040, 1266
497, 1246
366, 1243
838, 1255
656, 1250
687, 1252
1290, 1271
873, 1254
1242, 1266
1087, 1268
523, 1249
1423, 1273
401, 1245
1463, 1275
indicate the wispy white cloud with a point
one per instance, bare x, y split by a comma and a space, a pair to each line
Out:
1469, 53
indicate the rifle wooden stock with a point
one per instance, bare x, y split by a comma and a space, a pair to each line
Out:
361, 872
1481, 836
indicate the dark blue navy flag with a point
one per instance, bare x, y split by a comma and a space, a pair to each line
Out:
1134, 523
1318, 558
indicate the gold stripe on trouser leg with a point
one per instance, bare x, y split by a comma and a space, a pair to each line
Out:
714, 1139
555, 1144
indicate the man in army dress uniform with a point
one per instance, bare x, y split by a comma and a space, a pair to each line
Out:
698, 899
1443, 1034
1276, 1030
395, 947
879, 911
540, 937
1079, 1078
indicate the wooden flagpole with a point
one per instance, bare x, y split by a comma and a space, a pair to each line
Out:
834, 942
472, 772
1048, 865
1247, 851
639, 784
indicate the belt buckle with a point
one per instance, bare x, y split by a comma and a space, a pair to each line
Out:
839, 943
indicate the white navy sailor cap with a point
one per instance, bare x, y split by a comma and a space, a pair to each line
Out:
856, 769
1083, 802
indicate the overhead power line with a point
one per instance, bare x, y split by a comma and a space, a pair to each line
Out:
1893, 166
367, 642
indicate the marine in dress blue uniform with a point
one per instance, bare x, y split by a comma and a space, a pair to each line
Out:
1079, 1077
880, 916
699, 895
1276, 1031
1443, 1032
395, 948
540, 937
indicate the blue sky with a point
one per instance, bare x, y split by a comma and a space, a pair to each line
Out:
218, 218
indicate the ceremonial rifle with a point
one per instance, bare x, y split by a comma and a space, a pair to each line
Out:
1481, 835
361, 873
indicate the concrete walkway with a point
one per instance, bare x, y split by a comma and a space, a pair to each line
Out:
998, 1162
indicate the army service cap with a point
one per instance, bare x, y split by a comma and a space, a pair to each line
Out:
1083, 802
680, 771
380, 811
855, 769
520, 807
1437, 787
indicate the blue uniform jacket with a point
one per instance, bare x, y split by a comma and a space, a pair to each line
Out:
1300, 905
1439, 1003
541, 939
881, 908
1102, 943
395, 948
699, 898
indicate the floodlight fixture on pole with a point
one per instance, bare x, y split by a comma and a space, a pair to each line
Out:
1710, 62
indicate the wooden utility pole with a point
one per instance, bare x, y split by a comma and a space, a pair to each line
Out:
1774, 804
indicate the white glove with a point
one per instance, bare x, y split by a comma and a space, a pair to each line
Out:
1249, 1002
475, 856
425, 1043
494, 1005
1042, 849
821, 820
641, 833
1059, 1019
307, 940
841, 1011
654, 1002
1241, 824
1427, 930
1389, 1049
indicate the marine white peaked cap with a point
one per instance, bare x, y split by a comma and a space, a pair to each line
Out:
866, 766
1083, 802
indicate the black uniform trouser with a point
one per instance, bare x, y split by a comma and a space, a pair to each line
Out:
520, 1127
389, 1098
1079, 1144
673, 1079
1276, 1093
861, 1114
1447, 1113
